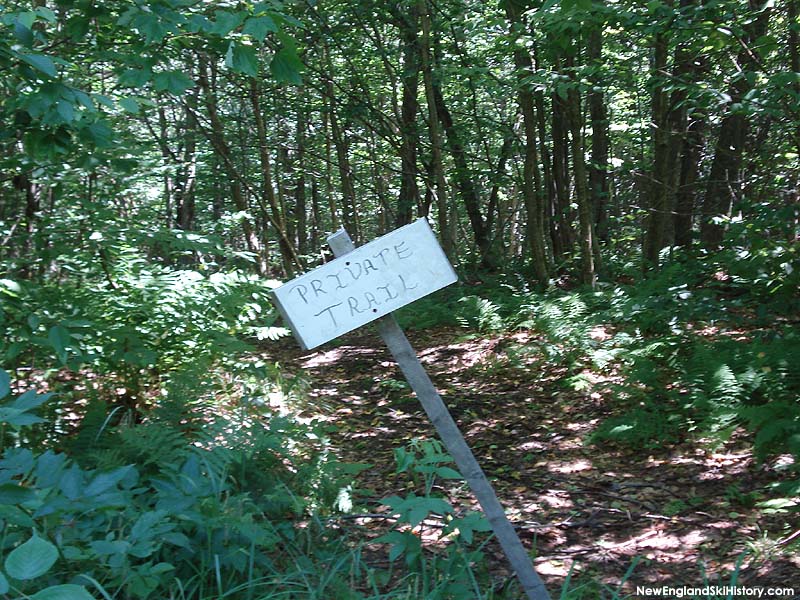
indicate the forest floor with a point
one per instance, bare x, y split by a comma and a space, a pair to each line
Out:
686, 511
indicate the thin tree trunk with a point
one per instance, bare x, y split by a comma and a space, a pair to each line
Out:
685, 201
463, 178
533, 201
316, 216
437, 168
585, 216
724, 179
268, 198
560, 212
187, 180
346, 178
222, 149
408, 24
658, 206
598, 115
326, 122
300, 183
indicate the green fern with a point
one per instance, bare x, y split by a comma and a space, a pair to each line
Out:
480, 314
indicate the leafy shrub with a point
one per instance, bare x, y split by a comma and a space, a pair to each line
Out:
141, 324
480, 314
450, 574
187, 520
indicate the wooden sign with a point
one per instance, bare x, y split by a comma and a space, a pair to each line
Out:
370, 282
384, 275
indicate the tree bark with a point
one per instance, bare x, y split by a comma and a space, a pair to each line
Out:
585, 216
685, 200
534, 205
346, 178
463, 178
658, 205
268, 198
408, 24
222, 149
598, 116
561, 217
301, 210
724, 178
440, 186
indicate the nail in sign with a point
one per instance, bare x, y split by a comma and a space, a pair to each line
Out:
370, 282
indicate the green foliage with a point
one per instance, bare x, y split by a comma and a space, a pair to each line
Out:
450, 574
187, 519
480, 314
143, 320
666, 363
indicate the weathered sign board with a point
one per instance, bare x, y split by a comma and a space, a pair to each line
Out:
370, 282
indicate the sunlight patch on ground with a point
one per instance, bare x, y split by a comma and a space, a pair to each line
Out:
553, 568
329, 357
450, 358
599, 333
569, 467
557, 499
325, 391
533, 445
583, 426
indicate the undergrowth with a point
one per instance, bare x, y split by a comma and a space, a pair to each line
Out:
696, 351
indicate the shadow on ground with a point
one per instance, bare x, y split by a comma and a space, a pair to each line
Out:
682, 511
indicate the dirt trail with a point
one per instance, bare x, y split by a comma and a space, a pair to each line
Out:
680, 509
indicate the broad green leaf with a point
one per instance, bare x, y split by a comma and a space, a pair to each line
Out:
48, 468
174, 82
65, 110
47, 14
242, 59
59, 339
143, 529
150, 26
286, 67
129, 105
448, 473
67, 591
26, 19
11, 493
23, 419
18, 418
41, 63
23, 34
259, 27
104, 100
3, 584
105, 481
14, 515
199, 23
5, 384
31, 559
98, 133
135, 78
30, 399
71, 483
107, 548
225, 22
162, 567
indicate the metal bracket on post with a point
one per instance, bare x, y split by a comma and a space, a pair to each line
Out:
454, 442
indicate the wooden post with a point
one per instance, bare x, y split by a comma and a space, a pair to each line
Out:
409, 364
